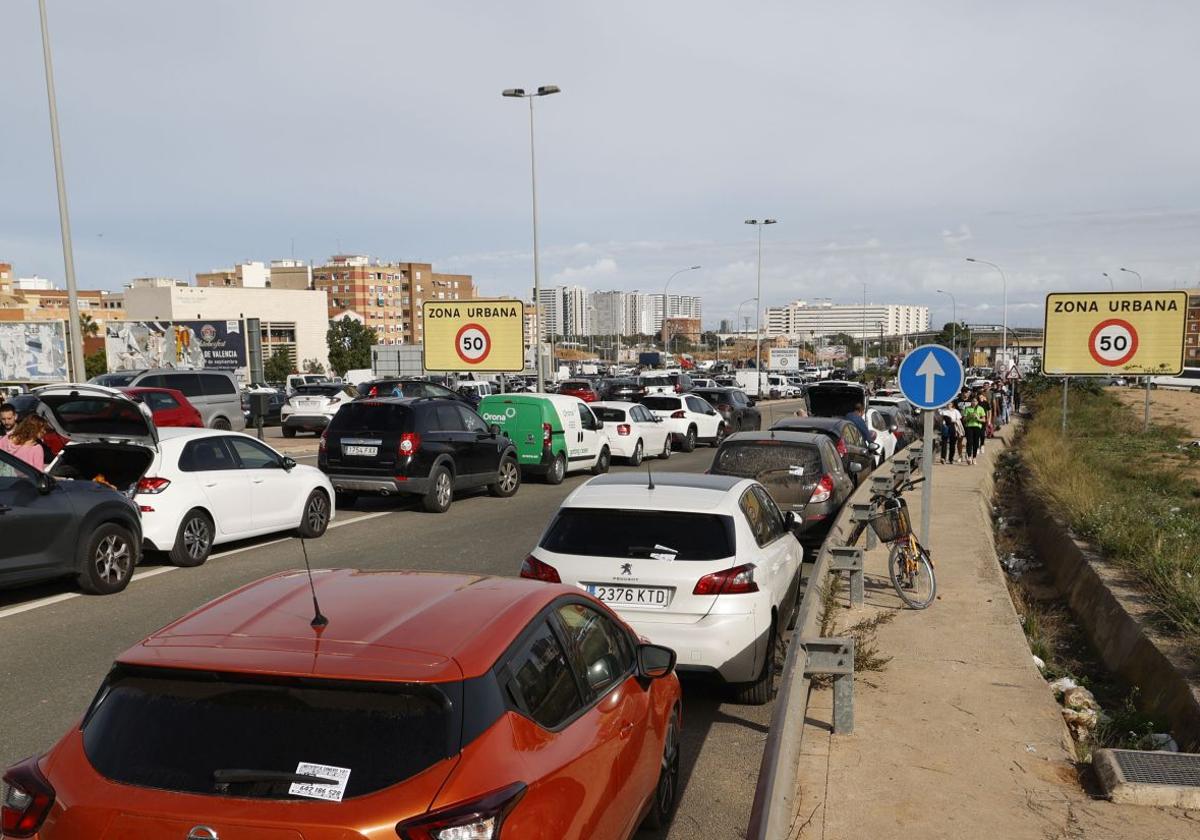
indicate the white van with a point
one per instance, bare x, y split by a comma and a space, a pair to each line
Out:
1189, 379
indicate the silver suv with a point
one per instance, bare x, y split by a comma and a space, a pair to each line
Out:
214, 393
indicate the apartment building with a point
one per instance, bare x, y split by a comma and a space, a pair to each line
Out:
247, 275
388, 295
801, 319
1191, 335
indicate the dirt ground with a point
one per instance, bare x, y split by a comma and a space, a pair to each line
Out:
1169, 407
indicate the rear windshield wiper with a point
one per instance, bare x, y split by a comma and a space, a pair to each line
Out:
647, 550
237, 776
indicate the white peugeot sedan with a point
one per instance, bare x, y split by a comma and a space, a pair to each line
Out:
689, 419
704, 564
633, 431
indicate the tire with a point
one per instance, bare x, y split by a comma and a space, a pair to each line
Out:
689, 441
315, 519
221, 424
508, 479
759, 692
639, 454
666, 452
918, 589
441, 492
558, 470
346, 500
193, 540
288, 431
666, 792
794, 618
603, 462
108, 560
719, 439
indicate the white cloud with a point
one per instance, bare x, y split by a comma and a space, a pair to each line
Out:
603, 267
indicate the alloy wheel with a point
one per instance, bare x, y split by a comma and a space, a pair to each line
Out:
443, 489
196, 538
317, 514
508, 476
113, 559
670, 771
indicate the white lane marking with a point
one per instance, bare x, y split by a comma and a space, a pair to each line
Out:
162, 570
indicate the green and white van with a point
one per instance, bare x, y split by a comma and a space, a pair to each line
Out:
554, 433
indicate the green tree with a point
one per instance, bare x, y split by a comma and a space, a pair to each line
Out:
88, 327
313, 366
349, 345
279, 366
95, 364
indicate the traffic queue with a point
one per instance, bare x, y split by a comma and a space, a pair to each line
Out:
555, 711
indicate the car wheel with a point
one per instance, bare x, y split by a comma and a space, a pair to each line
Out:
441, 492
193, 540
720, 436
603, 461
558, 470
666, 450
689, 440
108, 560
346, 500
221, 424
508, 479
315, 519
758, 693
666, 792
288, 432
635, 460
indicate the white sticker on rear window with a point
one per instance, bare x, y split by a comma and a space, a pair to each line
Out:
330, 787
795, 470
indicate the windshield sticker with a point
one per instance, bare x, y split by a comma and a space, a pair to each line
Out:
662, 552
795, 470
323, 772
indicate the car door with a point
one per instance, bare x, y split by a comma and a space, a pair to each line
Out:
165, 408
751, 418
780, 553
705, 417
591, 437
653, 432
222, 486
447, 434
482, 447
274, 494
39, 530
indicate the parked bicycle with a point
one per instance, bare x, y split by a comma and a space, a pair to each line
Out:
909, 565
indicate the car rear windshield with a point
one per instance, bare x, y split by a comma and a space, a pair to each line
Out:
616, 415
640, 533
324, 390
174, 730
754, 458
661, 403
114, 380
371, 417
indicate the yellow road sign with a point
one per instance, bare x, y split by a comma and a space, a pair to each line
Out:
487, 336
1111, 333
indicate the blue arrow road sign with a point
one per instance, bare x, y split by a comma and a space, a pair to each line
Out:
930, 376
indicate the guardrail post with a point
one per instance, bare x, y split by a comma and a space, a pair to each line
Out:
847, 559
901, 469
861, 512
914, 461
835, 658
881, 484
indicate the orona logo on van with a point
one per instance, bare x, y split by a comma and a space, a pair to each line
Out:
509, 413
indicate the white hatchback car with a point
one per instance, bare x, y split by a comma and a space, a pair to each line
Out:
689, 419
311, 407
704, 564
633, 431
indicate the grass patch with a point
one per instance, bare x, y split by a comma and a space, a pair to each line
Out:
1125, 492
865, 632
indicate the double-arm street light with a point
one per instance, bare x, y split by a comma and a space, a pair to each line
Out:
954, 319
519, 93
1004, 282
1136, 274
664, 305
759, 224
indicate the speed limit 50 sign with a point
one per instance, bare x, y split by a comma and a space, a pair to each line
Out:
1097, 333
487, 336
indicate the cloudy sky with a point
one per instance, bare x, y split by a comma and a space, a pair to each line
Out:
890, 140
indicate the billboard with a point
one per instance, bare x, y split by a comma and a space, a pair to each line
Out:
1109, 333
189, 345
479, 335
783, 358
33, 352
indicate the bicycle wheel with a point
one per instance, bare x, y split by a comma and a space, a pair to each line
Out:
911, 572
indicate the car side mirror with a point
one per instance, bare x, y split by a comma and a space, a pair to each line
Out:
600, 673
789, 519
494, 429
655, 661
44, 483
288, 463
599, 423
856, 467
750, 401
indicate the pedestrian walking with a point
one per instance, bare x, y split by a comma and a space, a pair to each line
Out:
25, 442
974, 417
949, 437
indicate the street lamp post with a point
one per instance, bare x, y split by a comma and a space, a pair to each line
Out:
74, 331
759, 224
1111, 286
519, 93
954, 319
664, 304
1136, 274
739, 310
1004, 282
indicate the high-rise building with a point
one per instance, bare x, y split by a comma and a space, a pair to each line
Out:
609, 313
388, 296
801, 319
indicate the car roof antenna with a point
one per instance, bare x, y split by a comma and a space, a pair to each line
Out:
649, 478
318, 621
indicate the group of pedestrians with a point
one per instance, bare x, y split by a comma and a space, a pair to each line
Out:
965, 425
23, 438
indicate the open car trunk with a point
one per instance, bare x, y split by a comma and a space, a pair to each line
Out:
834, 399
120, 465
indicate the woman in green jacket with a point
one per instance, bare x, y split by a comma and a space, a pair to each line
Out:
974, 417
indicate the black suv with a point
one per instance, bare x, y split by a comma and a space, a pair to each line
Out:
427, 447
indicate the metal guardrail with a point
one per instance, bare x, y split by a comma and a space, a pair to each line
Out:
809, 655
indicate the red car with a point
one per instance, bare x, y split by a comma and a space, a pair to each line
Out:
579, 388
541, 716
169, 406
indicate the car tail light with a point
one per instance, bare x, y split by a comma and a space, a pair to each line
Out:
725, 408
534, 569
28, 797
739, 579
823, 490
410, 442
841, 447
547, 434
477, 819
678, 415
678, 389
152, 484
374, 392
623, 429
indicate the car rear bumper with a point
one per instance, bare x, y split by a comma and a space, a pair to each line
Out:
622, 447
727, 644
306, 422
380, 485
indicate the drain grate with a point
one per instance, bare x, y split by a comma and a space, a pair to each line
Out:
1159, 768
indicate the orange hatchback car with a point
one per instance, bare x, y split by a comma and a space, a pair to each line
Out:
428, 707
